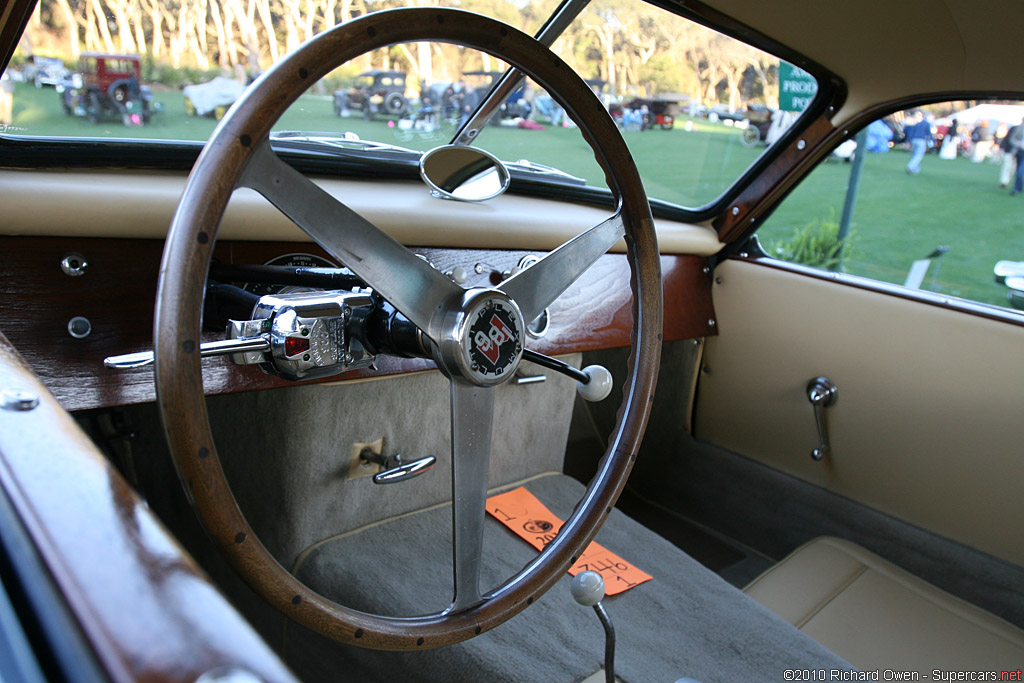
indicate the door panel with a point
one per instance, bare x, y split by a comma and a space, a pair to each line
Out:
927, 423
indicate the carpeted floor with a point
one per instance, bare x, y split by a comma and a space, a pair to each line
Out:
686, 622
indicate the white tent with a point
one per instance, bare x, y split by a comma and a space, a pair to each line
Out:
993, 113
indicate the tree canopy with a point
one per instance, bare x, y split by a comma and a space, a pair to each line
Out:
633, 48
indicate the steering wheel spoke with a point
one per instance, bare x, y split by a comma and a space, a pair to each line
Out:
535, 288
408, 282
472, 418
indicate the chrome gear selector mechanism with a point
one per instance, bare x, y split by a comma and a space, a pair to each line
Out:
307, 334
299, 335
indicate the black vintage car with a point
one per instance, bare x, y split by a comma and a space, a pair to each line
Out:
375, 92
648, 112
325, 407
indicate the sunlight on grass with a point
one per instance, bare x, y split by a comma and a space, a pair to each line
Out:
900, 218
690, 168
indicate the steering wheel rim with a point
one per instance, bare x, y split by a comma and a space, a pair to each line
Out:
227, 163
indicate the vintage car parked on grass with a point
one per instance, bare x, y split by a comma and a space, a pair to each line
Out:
108, 86
791, 473
651, 112
375, 92
42, 71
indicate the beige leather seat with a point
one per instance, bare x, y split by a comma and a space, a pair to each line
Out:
878, 616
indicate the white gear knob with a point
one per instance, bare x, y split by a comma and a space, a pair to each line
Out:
599, 386
587, 588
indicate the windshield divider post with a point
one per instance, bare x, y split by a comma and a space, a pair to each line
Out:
556, 24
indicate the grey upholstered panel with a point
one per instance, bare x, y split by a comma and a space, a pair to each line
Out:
287, 451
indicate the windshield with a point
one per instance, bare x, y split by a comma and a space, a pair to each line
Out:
696, 108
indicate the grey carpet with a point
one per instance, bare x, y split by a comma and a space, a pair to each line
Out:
685, 622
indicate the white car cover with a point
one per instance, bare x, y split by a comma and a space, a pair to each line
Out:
206, 97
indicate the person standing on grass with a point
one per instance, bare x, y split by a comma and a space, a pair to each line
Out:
950, 142
1018, 183
1010, 144
982, 137
918, 135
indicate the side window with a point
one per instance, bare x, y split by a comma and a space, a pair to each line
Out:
928, 198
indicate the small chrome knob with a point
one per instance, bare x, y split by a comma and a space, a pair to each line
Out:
74, 264
79, 327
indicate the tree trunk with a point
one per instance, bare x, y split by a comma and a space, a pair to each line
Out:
193, 32
72, 27
268, 26
426, 59
137, 23
100, 16
247, 24
124, 29
222, 44
330, 20
732, 78
230, 19
156, 46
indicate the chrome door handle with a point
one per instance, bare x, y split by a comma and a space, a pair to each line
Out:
404, 472
822, 393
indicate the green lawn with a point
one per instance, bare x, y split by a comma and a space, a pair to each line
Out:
690, 168
898, 218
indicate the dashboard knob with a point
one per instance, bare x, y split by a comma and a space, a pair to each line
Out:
599, 385
587, 588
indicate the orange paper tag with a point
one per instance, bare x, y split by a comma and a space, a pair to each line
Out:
530, 519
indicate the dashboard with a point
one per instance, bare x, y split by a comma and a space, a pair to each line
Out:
65, 323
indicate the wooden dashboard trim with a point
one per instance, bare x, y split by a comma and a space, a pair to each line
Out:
143, 605
116, 294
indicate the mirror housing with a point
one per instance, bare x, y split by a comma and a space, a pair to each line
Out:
464, 173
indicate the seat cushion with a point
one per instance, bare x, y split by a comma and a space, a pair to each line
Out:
878, 616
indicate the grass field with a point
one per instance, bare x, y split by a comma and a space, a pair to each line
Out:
690, 168
898, 218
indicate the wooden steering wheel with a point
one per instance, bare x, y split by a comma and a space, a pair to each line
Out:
239, 155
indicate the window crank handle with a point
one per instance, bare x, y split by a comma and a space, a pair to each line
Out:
822, 393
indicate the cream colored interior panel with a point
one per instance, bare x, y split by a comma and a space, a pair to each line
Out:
927, 426
112, 204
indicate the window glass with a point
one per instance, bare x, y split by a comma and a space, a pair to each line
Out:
696, 107
935, 207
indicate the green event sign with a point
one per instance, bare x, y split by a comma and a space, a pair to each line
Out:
796, 87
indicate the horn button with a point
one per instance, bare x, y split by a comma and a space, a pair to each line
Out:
483, 338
